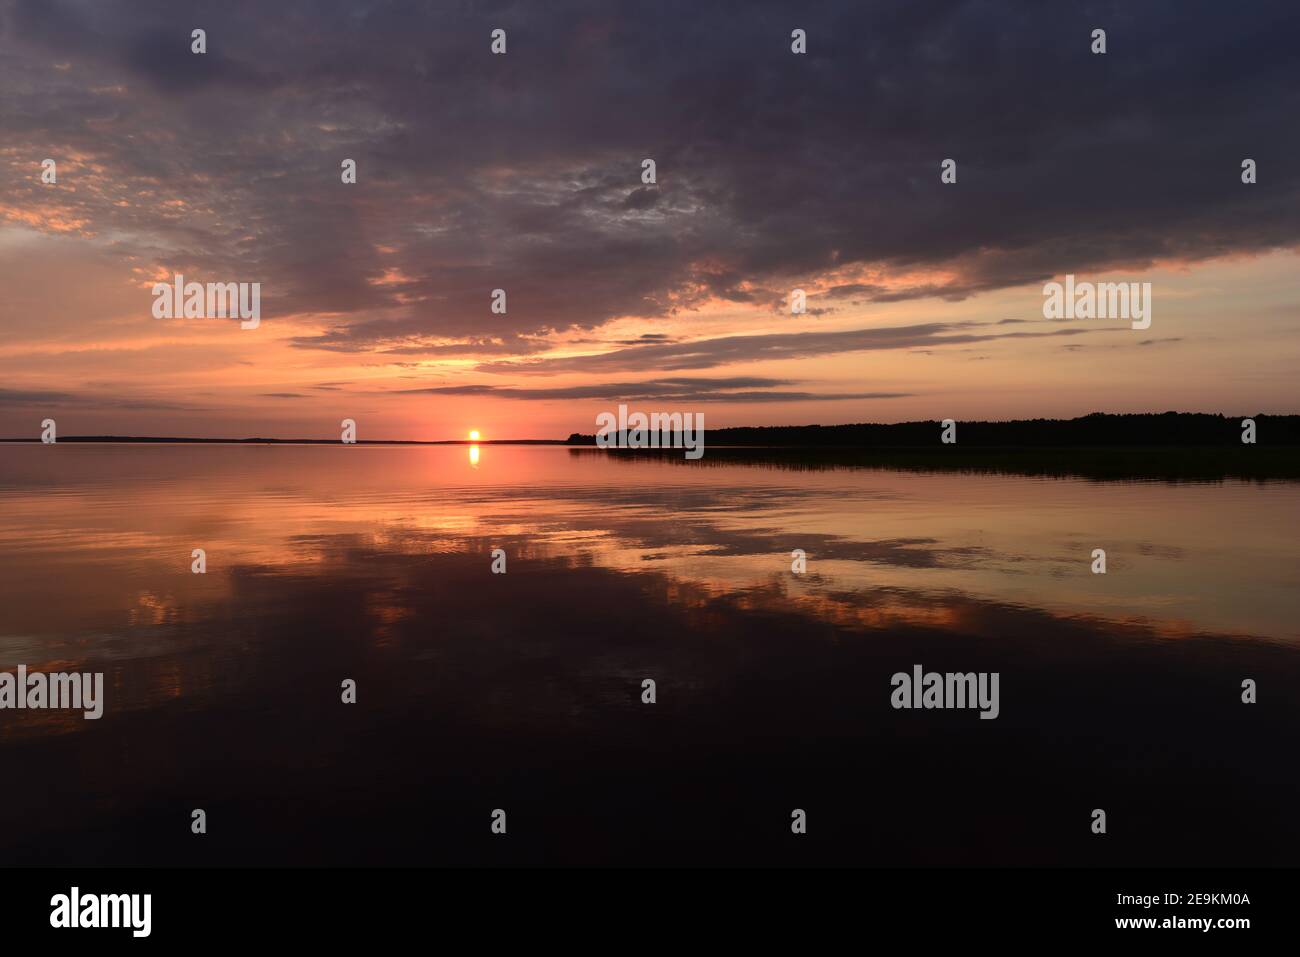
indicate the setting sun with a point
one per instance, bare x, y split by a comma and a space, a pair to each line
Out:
473, 436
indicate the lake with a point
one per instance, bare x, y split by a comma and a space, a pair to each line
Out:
523, 691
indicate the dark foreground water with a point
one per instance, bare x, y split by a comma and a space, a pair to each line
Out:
522, 691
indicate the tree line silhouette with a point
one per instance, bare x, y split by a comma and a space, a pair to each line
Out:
1096, 429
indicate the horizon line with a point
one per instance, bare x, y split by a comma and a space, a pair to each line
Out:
265, 440
255, 440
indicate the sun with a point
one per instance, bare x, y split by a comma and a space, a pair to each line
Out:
473, 435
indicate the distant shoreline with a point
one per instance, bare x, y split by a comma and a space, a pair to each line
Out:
168, 440
1096, 430
1191, 462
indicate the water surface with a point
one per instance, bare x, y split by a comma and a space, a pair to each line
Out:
523, 691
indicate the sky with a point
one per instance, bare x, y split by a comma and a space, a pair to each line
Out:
523, 171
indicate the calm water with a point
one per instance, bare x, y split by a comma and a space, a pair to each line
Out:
523, 691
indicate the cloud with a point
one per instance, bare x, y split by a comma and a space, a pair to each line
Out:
739, 389
522, 171
32, 397
36, 398
707, 353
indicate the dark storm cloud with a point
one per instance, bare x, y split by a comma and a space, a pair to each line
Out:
523, 171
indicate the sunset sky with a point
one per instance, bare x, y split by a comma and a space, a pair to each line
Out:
522, 171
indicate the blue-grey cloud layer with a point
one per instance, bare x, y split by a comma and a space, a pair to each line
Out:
522, 171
